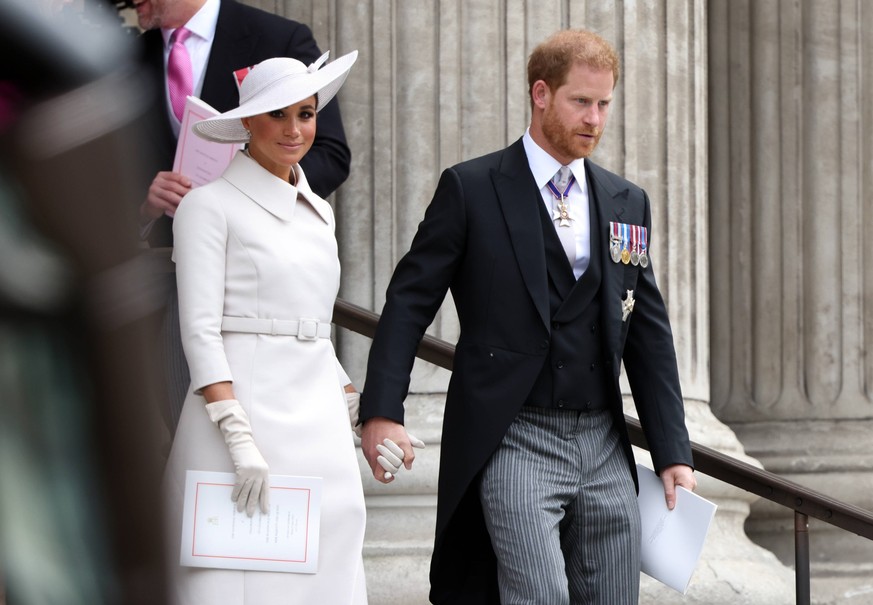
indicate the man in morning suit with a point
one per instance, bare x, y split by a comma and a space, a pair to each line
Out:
548, 261
223, 36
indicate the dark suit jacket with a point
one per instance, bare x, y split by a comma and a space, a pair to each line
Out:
245, 36
482, 238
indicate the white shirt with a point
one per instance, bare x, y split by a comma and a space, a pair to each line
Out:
199, 44
543, 167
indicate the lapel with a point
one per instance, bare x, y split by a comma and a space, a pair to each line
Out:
232, 49
520, 201
153, 52
160, 132
610, 203
318, 203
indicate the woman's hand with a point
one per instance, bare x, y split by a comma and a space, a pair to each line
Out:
252, 473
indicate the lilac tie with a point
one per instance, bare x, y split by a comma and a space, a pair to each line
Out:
180, 79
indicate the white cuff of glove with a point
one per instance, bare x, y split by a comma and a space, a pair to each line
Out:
218, 410
353, 401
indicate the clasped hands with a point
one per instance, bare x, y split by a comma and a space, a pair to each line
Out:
385, 454
388, 447
252, 472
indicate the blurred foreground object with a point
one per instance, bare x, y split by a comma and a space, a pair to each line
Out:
80, 459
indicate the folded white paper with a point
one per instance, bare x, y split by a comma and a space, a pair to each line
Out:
671, 540
215, 534
200, 160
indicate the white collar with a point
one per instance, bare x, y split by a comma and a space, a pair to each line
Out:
543, 166
202, 24
271, 193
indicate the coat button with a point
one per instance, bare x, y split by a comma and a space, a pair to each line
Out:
588, 405
593, 328
556, 325
545, 344
592, 367
561, 403
559, 365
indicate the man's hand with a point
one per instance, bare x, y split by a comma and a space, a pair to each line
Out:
165, 193
373, 444
676, 474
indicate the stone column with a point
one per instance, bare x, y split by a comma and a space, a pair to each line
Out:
660, 142
791, 101
441, 81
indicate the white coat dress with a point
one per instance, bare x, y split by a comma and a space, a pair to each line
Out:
247, 246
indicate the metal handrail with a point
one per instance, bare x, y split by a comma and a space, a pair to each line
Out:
804, 501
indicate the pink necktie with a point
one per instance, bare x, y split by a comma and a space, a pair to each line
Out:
180, 79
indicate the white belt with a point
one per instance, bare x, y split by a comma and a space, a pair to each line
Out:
303, 328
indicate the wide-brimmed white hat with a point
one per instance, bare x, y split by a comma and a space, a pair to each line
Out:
274, 84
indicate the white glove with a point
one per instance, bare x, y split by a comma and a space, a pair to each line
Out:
391, 458
353, 400
252, 473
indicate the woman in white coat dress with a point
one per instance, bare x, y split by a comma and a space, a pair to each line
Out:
258, 273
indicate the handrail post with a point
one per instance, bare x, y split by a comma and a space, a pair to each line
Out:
801, 558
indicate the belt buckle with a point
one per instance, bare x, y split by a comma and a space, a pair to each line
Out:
307, 329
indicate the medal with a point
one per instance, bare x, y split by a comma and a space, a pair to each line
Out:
614, 242
628, 244
644, 244
627, 305
615, 252
625, 243
562, 212
634, 246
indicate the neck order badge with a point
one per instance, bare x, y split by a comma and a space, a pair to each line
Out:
560, 186
560, 190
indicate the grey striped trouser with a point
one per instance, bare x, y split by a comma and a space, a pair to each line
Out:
561, 509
